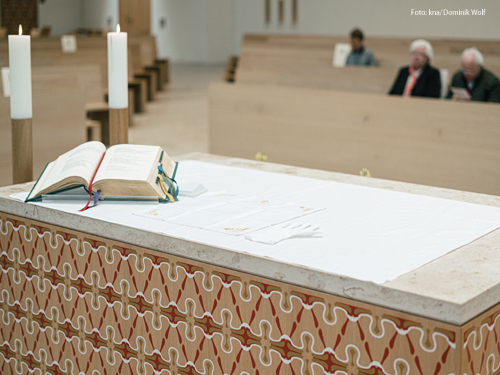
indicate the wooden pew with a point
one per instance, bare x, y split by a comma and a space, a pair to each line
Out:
89, 82
91, 50
424, 141
163, 63
88, 77
440, 45
262, 56
58, 121
138, 86
355, 79
231, 66
307, 60
149, 58
145, 69
138, 72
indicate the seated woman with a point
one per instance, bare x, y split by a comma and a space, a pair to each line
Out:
418, 79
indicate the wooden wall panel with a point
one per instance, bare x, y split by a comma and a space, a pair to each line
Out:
135, 16
15, 12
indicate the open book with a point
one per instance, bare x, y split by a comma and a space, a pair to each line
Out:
122, 170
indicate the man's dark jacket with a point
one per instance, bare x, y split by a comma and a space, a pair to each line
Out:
486, 86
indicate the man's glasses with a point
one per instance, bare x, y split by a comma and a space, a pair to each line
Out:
469, 71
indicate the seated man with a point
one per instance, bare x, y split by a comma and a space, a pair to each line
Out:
418, 79
481, 84
359, 55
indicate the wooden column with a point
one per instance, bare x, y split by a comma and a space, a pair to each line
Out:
118, 126
295, 12
22, 150
281, 12
267, 12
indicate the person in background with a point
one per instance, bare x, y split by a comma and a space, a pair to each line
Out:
418, 79
481, 84
359, 55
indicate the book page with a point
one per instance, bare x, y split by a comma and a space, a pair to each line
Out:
340, 53
460, 93
128, 162
81, 161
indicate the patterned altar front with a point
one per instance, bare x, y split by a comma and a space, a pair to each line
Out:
74, 303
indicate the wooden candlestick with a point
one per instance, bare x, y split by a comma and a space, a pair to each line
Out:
22, 150
118, 126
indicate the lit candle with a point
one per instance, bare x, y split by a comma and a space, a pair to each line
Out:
117, 69
20, 76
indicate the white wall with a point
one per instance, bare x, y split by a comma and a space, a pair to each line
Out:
208, 31
221, 28
67, 15
195, 30
184, 37
376, 18
62, 15
100, 14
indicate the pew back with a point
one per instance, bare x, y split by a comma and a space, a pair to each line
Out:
306, 61
88, 78
58, 121
440, 46
431, 142
47, 52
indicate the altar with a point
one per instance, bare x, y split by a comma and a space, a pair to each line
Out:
106, 292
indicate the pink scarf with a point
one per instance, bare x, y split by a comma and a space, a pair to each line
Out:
410, 83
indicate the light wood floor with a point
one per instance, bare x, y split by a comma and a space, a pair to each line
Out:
177, 120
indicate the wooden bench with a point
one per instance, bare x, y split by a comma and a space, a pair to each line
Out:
91, 50
424, 141
150, 59
231, 66
440, 46
58, 121
147, 56
307, 61
137, 71
355, 79
89, 82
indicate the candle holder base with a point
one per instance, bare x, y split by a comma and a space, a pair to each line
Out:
22, 150
118, 126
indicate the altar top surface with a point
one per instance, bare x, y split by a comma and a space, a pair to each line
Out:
454, 288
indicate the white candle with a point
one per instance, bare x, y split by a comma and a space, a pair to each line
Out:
20, 76
117, 70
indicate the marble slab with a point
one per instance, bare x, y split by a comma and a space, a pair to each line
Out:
453, 289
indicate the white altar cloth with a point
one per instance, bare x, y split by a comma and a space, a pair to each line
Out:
368, 233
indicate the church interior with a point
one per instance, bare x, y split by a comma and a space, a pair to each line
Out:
262, 97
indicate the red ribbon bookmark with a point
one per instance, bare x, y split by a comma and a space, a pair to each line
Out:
91, 181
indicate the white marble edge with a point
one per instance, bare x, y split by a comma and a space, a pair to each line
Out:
394, 294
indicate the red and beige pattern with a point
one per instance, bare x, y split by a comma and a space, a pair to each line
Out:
72, 303
481, 344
